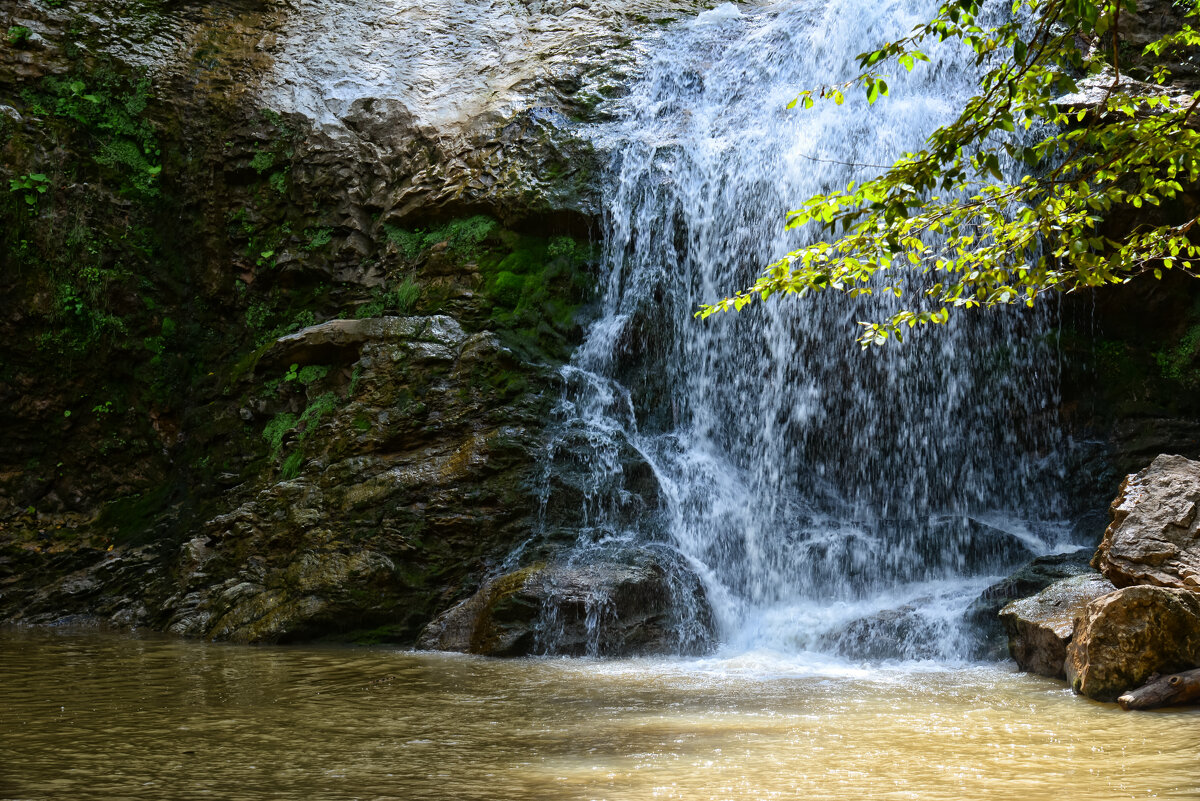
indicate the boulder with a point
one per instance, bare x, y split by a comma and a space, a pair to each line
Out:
641, 602
1039, 628
988, 635
1154, 536
1126, 636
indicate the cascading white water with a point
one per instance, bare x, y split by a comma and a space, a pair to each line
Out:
809, 484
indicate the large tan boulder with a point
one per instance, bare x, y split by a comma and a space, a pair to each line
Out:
1126, 636
1154, 536
1039, 628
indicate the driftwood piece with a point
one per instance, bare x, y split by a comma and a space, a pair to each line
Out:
1180, 688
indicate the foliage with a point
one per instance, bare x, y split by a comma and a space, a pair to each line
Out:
274, 160
312, 373
315, 410
18, 35
945, 229
402, 299
78, 252
275, 430
318, 238
1178, 363
536, 287
29, 186
263, 160
462, 237
309, 420
291, 466
410, 243
355, 377
405, 296
110, 111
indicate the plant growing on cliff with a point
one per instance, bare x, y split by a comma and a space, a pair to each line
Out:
29, 187
945, 228
19, 35
109, 111
463, 238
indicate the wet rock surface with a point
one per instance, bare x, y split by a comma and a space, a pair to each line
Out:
902, 633
1040, 628
636, 603
990, 640
1154, 536
1126, 636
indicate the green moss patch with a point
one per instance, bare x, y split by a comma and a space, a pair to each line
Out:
535, 286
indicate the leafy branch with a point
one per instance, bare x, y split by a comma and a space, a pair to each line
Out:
946, 221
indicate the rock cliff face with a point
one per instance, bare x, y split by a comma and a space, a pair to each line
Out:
286, 285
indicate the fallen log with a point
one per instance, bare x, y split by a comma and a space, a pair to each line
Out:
1179, 688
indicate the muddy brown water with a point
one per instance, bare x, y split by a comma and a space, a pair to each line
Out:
90, 715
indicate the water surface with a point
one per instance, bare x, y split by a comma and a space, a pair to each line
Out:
86, 715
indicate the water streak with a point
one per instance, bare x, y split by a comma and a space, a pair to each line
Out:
810, 485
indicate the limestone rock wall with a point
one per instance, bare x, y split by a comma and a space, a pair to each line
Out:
285, 287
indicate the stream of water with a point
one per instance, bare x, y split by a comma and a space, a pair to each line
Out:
809, 484
88, 716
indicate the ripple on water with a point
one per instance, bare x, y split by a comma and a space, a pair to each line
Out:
85, 715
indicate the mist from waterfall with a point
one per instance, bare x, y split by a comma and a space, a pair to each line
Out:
809, 483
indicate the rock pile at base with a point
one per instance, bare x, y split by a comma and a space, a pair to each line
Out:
990, 635
1139, 616
1125, 637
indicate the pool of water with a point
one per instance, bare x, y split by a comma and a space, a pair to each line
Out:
90, 715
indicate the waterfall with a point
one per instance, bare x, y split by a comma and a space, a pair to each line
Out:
830, 499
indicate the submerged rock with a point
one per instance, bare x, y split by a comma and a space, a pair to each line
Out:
1039, 628
902, 633
1154, 537
644, 602
1124, 637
